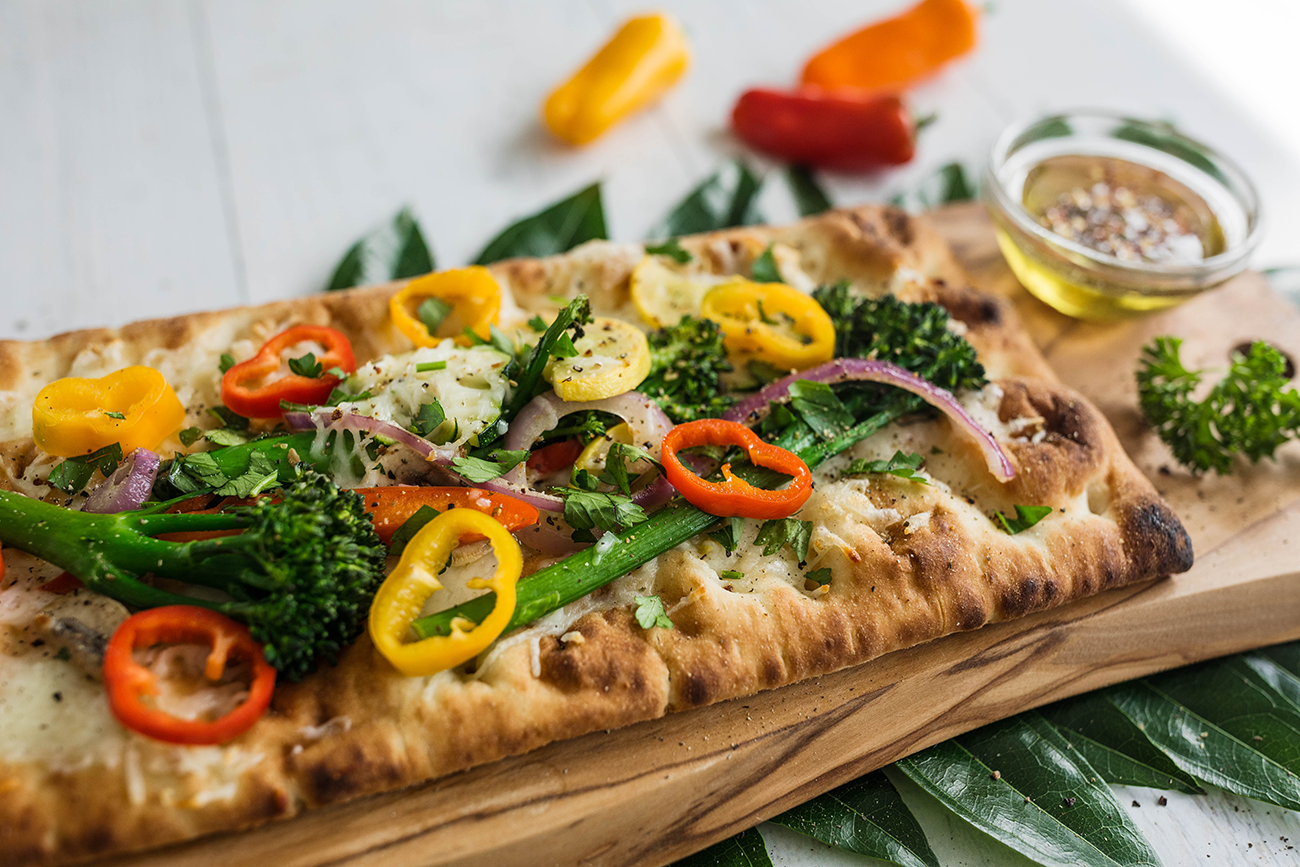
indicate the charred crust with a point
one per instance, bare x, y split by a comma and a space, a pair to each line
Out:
351, 770
1070, 453
1155, 540
900, 225
971, 307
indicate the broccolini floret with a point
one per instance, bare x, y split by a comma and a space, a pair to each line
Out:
301, 575
687, 361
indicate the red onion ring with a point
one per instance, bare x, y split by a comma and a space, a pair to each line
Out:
128, 487
647, 421
757, 405
337, 419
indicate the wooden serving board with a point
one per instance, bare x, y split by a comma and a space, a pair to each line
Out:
651, 793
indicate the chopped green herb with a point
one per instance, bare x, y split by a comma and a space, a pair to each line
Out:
227, 361
620, 456
432, 312
584, 480
223, 436
189, 436
262, 472
730, 575
428, 419
72, 475
765, 269
338, 396
202, 467
774, 535
480, 470
729, 535
426, 366
820, 576
537, 324
818, 405
412, 525
586, 510
1026, 517
563, 347
901, 465
117, 415
650, 612
64, 654
671, 249
229, 418
306, 365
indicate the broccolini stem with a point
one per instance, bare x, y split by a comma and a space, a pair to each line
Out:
575, 576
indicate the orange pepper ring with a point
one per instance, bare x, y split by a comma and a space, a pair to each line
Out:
734, 497
126, 681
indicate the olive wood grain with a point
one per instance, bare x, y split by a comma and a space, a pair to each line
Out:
654, 792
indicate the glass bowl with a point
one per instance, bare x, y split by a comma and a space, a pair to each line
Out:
1081, 281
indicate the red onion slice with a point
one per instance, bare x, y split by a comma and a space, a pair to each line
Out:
337, 419
128, 487
757, 405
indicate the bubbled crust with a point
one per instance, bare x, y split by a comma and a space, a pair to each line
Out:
359, 728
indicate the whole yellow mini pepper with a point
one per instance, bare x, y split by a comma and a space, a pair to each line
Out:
461, 298
409, 586
134, 407
637, 66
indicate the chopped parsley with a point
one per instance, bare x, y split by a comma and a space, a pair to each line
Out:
765, 269
774, 535
818, 405
499, 462
587, 510
671, 249
306, 365
227, 361
820, 576
72, 475
428, 419
650, 612
117, 415
901, 465
729, 534
190, 436
1026, 517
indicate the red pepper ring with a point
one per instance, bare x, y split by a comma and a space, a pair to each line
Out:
264, 401
126, 681
734, 497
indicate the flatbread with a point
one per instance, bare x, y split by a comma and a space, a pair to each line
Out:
911, 563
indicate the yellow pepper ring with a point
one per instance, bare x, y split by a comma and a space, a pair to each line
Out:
134, 407
404, 592
474, 296
771, 321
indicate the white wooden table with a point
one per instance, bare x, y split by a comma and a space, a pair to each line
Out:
164, 157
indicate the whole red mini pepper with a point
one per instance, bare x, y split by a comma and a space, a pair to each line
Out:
831, 130
131, 686
246, 390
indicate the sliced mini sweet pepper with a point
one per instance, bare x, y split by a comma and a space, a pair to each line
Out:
434, 307
391, 507
409, 586
252, 389
838, 130
637, 66
733, 497
896, 52
134, 407
132, 687
772, 322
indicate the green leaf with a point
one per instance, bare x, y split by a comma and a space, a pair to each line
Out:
774, 535
954, 187
820, 576
391, 252
726, 198
555, 229
587, 510
671, 249
226, 362
617, 460
306, 365
1020, 782
1116, 747
1207, 751
72, 475
229, 418
224, 436
730, 575
746, 849
431, 313
117, 415
866, 816
190, 436
412, 525
261, 473
809, 197
1285, 655
818, 405
729, 535
765, 269
478, 470
1026, 517
901, 465
429, 418
650, 612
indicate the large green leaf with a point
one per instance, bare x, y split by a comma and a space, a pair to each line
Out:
726, 198
1284, 680
1114, 746
392, 252
1020, 782
1205, 750
555, 229
746, 849
809, 196
866, 816
1285, 655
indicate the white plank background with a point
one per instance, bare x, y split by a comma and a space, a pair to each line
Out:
164, 157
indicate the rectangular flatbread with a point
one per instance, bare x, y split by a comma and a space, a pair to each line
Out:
911, 563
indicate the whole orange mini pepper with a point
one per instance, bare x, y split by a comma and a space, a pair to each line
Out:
134, 407
894, 53
637, 66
